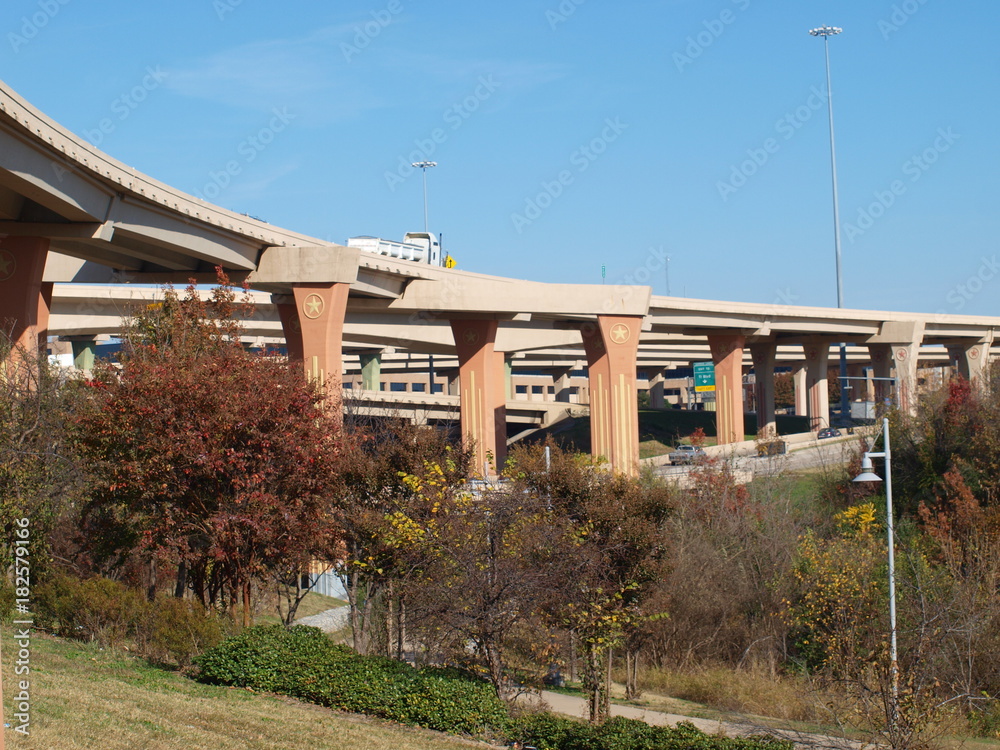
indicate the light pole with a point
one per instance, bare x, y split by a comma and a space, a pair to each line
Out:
867, 475
826, 32
424, 165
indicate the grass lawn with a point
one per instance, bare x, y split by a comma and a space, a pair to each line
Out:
86, 697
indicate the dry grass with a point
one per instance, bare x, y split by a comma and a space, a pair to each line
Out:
84, 697
744, 692
754, 696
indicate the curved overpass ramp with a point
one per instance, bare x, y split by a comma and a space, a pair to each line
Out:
70, 213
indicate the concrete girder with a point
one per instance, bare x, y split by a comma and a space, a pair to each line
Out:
468, 294
50, 182
281, 269
11, 203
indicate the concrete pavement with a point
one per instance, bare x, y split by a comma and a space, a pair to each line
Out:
576, 707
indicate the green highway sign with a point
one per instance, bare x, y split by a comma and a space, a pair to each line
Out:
704, 377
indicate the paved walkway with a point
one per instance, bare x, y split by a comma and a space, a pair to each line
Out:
329, 621
576, 707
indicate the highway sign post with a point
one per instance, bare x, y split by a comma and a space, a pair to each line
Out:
704, 377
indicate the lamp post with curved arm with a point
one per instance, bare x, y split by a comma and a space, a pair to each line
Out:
867, 475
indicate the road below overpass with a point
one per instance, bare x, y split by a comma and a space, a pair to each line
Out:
803, 455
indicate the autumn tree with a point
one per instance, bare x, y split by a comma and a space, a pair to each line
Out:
382, 453
481, 562
956, 428
610, 555
40, 476
784, 390
208, 457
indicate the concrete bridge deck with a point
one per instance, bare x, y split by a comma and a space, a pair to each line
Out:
71, 213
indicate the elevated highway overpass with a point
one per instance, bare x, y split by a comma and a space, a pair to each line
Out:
72, 217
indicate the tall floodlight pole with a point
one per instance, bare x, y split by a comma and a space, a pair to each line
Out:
425, 165
826, 32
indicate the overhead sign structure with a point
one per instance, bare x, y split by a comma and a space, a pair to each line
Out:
704, 377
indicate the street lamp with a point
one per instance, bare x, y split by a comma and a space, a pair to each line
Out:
826, 32
424, 165
867, 475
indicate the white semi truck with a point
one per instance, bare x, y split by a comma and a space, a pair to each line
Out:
422, 247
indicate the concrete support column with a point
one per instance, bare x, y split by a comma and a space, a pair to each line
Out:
817, 355
500, 408
312, 318
290, 325
727, 354
657, 399
561, 386
454, 383
83, 351
763, 354
431, 375
801, 392
508, 372
612, 346
899, 361
881, 355
483, 392
970, 360
371, 371
904, 362
898, 344
24, 298
855, 385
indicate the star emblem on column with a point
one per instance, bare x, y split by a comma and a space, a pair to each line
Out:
901, 354
312, 308
7, 265
973, 353
620, 333
470, 337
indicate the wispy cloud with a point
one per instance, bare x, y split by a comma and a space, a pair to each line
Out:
310, 75
248, 191
300, 73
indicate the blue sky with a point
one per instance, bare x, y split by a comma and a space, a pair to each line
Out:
569, 134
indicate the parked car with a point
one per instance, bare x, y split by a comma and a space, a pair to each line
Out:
828, 432
686, 454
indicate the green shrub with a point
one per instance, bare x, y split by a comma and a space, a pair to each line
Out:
548, 732
7, 601
97, 609
985, 722
107, 612
271, 658
180, 629
304, 663
53, 606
